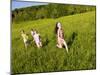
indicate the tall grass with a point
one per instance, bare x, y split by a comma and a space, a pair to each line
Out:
80, 35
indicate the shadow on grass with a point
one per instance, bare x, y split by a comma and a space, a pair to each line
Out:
31, 43
71, 39
45, 43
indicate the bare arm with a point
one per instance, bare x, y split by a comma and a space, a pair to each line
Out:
39, 37
58, 33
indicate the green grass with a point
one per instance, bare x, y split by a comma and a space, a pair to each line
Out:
80, 35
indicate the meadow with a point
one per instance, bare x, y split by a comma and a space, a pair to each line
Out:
80, 35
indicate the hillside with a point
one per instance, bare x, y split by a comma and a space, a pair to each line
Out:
80, 35
51, 10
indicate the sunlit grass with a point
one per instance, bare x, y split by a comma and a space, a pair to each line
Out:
80, 36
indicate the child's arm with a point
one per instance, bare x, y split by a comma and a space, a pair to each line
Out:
57, 33
39, 37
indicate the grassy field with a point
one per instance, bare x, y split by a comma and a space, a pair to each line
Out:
80, 35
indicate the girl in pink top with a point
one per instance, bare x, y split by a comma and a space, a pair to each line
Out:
60, 36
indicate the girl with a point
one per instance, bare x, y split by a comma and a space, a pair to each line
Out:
60, 36
25, 38
37, 39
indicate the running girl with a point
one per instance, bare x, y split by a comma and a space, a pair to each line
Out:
25, 38
60, 36
37, 39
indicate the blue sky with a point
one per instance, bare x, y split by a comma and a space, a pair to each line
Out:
21, 4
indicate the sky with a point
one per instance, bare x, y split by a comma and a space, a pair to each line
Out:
21, 4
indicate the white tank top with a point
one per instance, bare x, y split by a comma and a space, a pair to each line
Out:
36, 38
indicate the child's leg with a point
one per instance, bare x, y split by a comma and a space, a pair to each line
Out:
59, 43
25, 45
41, 44
37, 44
65, 45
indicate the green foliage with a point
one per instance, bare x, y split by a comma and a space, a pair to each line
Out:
48, 11
80, 35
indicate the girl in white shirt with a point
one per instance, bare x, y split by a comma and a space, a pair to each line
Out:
37, 39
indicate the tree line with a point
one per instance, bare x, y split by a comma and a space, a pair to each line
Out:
48, 11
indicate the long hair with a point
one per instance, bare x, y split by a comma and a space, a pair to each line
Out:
56, 27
